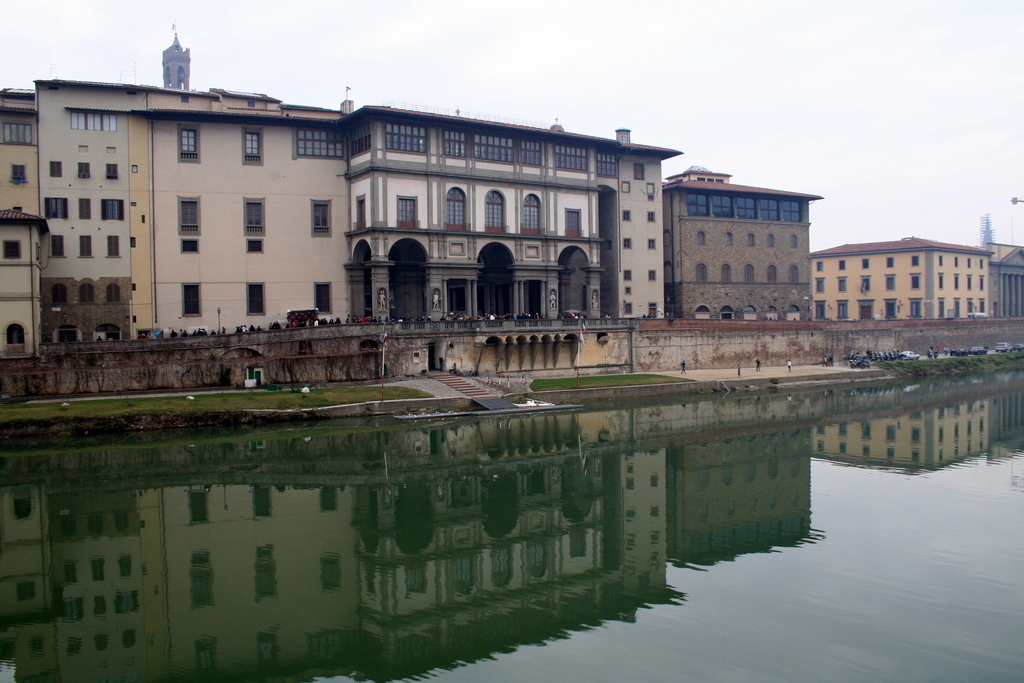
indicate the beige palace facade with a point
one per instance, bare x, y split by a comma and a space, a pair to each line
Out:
907, 278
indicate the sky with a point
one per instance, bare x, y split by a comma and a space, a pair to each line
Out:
905, 115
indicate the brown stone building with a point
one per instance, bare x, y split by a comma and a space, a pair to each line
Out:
734, 251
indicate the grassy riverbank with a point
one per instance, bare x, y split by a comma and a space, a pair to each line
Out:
594, 381
962, 365
200, 403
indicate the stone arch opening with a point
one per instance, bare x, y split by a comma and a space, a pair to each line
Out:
362, 280
407, 279
494, 284
572, 280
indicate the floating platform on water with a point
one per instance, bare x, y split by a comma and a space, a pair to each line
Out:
495, 407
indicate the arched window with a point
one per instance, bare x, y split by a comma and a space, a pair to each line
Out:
113, 294
726, 273
728, 239
770, 241
773, 274
531, 215
59, 294
726, 312
751, 240
701, 237
794, 274
494, 212
793, 242
748, 273
108, 332
702, 273
86, 293
455, 210
15, 334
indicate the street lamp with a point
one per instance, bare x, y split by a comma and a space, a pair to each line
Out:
219, 328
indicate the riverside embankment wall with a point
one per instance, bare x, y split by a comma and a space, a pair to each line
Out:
351, 353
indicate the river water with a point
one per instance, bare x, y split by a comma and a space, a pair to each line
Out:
869, 533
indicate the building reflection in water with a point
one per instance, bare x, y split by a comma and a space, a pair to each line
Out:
387, 554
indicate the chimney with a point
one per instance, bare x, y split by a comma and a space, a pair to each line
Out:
622, 136
347, 107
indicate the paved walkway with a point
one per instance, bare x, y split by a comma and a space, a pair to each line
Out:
726, 374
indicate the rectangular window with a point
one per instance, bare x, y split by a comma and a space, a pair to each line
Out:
819, 266
188, 144
627, 275
638, 171
407, 212
652, 244
652, 216
529, 153
769, 209
197, 508
819, 285
188, 216
112, 209
841, 284
572, 223
254, 217
111, 171
254, 246
492, 148
697, 204
362, 139
607, 165
627, 308
81, 120
12, 249
627, 215
865, 263
842, 310
915, 308
865, 285
405, 138
454, 143
819, 310
652, 275
321, 219
890, 308
18, 133
57, 245
842, 265
745, 208
627, 242
318, 143
56, 169
83, 169
254, 299
113, 246
190, 246
791, 211
570, 158
890, 282
85, 246
322, 296
18, 174
721, 207
981, 282
889, 261
252, 147
190, 300
84, 209
942, 281
915, 282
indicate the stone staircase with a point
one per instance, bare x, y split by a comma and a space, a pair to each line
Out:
478, 394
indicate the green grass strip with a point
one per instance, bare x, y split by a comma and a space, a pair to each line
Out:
203, 403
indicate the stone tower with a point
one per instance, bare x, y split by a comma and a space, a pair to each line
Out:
177, 64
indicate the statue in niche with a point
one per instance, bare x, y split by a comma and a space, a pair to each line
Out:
435, 300
553, 300
593, 300
382, 299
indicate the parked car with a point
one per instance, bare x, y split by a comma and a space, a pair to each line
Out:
1018, 347
977, 351
1003, 347
909, 355
958, 352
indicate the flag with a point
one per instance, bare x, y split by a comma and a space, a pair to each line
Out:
384, 334
583, 326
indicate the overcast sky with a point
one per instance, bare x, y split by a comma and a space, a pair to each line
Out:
905, 115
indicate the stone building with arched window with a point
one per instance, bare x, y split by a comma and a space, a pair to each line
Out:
735, 251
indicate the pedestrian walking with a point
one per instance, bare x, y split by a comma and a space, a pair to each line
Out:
789, 365
757, 365
684, 366
738, 373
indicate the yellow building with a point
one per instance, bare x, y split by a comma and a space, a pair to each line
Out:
19, 189
907, 278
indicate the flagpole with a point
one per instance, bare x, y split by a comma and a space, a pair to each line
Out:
579, 347
383, 345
